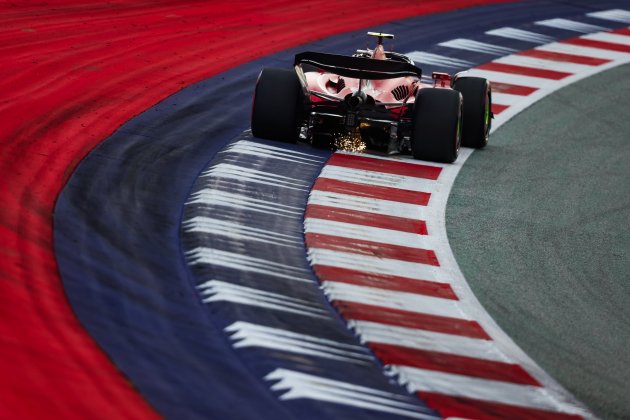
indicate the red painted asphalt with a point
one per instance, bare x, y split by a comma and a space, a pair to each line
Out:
72, 73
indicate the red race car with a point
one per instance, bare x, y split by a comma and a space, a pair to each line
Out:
373, 99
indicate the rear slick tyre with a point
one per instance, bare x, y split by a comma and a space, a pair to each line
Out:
437, 124
477, 119
276, 104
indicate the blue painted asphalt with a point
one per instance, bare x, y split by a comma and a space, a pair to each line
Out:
119, 245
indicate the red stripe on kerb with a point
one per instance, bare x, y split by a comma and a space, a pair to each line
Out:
401, 318
371, 248
602, 45
569, 58
372, 191
62, 106
512, 89
385, 281
462, 407
385, 166
364, 218
497, 108
452, 363
525, 71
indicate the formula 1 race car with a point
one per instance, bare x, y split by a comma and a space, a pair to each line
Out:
373, 99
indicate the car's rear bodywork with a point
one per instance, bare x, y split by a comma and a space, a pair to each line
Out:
358, 102
373, 99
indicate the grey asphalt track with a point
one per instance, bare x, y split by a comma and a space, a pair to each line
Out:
539, 223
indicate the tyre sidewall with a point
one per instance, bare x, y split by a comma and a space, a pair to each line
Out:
436, 131
477, 96
276, 105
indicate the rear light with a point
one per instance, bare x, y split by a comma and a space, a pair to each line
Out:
441, 79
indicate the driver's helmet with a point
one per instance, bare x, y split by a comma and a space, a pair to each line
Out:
379, 53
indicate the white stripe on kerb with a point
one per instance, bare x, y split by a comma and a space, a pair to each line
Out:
608, 37
397, 158
411, 302
616, 15
219, 291
368, 233
212, 197
239, 231
245, 174
373, 332
562, 47
371, 205
318, 256
482, 389
521, 35
301, 385
506, 99
245, 263
476, 46
245, 334
380, 179
422, 57
541, 63
570, 25
514, 79
259, 150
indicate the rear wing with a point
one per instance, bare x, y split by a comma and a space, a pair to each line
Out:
357, 67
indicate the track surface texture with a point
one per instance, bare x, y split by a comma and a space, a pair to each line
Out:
99, 312
74, 71
538, 222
